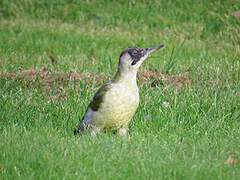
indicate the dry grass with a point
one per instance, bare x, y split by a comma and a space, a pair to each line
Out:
46, 77
157, 78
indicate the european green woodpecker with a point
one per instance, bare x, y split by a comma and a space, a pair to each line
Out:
116, 101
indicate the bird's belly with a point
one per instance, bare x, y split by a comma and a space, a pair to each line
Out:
117, 109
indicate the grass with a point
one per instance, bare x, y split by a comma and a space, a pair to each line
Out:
196, 137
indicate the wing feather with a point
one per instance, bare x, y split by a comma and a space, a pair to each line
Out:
98, 97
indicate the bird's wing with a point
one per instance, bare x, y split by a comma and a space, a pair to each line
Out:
94, 104
98, 97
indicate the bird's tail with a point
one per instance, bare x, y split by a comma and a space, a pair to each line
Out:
78, 129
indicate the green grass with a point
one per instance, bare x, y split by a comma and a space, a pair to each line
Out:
191, 139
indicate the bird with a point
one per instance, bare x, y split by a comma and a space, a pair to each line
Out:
115, 102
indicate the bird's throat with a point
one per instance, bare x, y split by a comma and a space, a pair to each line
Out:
126, 77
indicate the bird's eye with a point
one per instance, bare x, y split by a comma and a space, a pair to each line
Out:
134, 52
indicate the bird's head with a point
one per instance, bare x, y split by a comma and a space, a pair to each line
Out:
131, 58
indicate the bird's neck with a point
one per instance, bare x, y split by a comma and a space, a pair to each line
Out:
126, 76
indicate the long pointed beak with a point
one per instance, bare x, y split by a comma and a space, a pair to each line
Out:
153, 49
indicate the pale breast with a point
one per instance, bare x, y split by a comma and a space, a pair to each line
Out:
118, 107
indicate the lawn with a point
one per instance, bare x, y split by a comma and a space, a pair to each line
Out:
55, 54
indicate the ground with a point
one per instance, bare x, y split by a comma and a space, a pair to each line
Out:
55, 54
